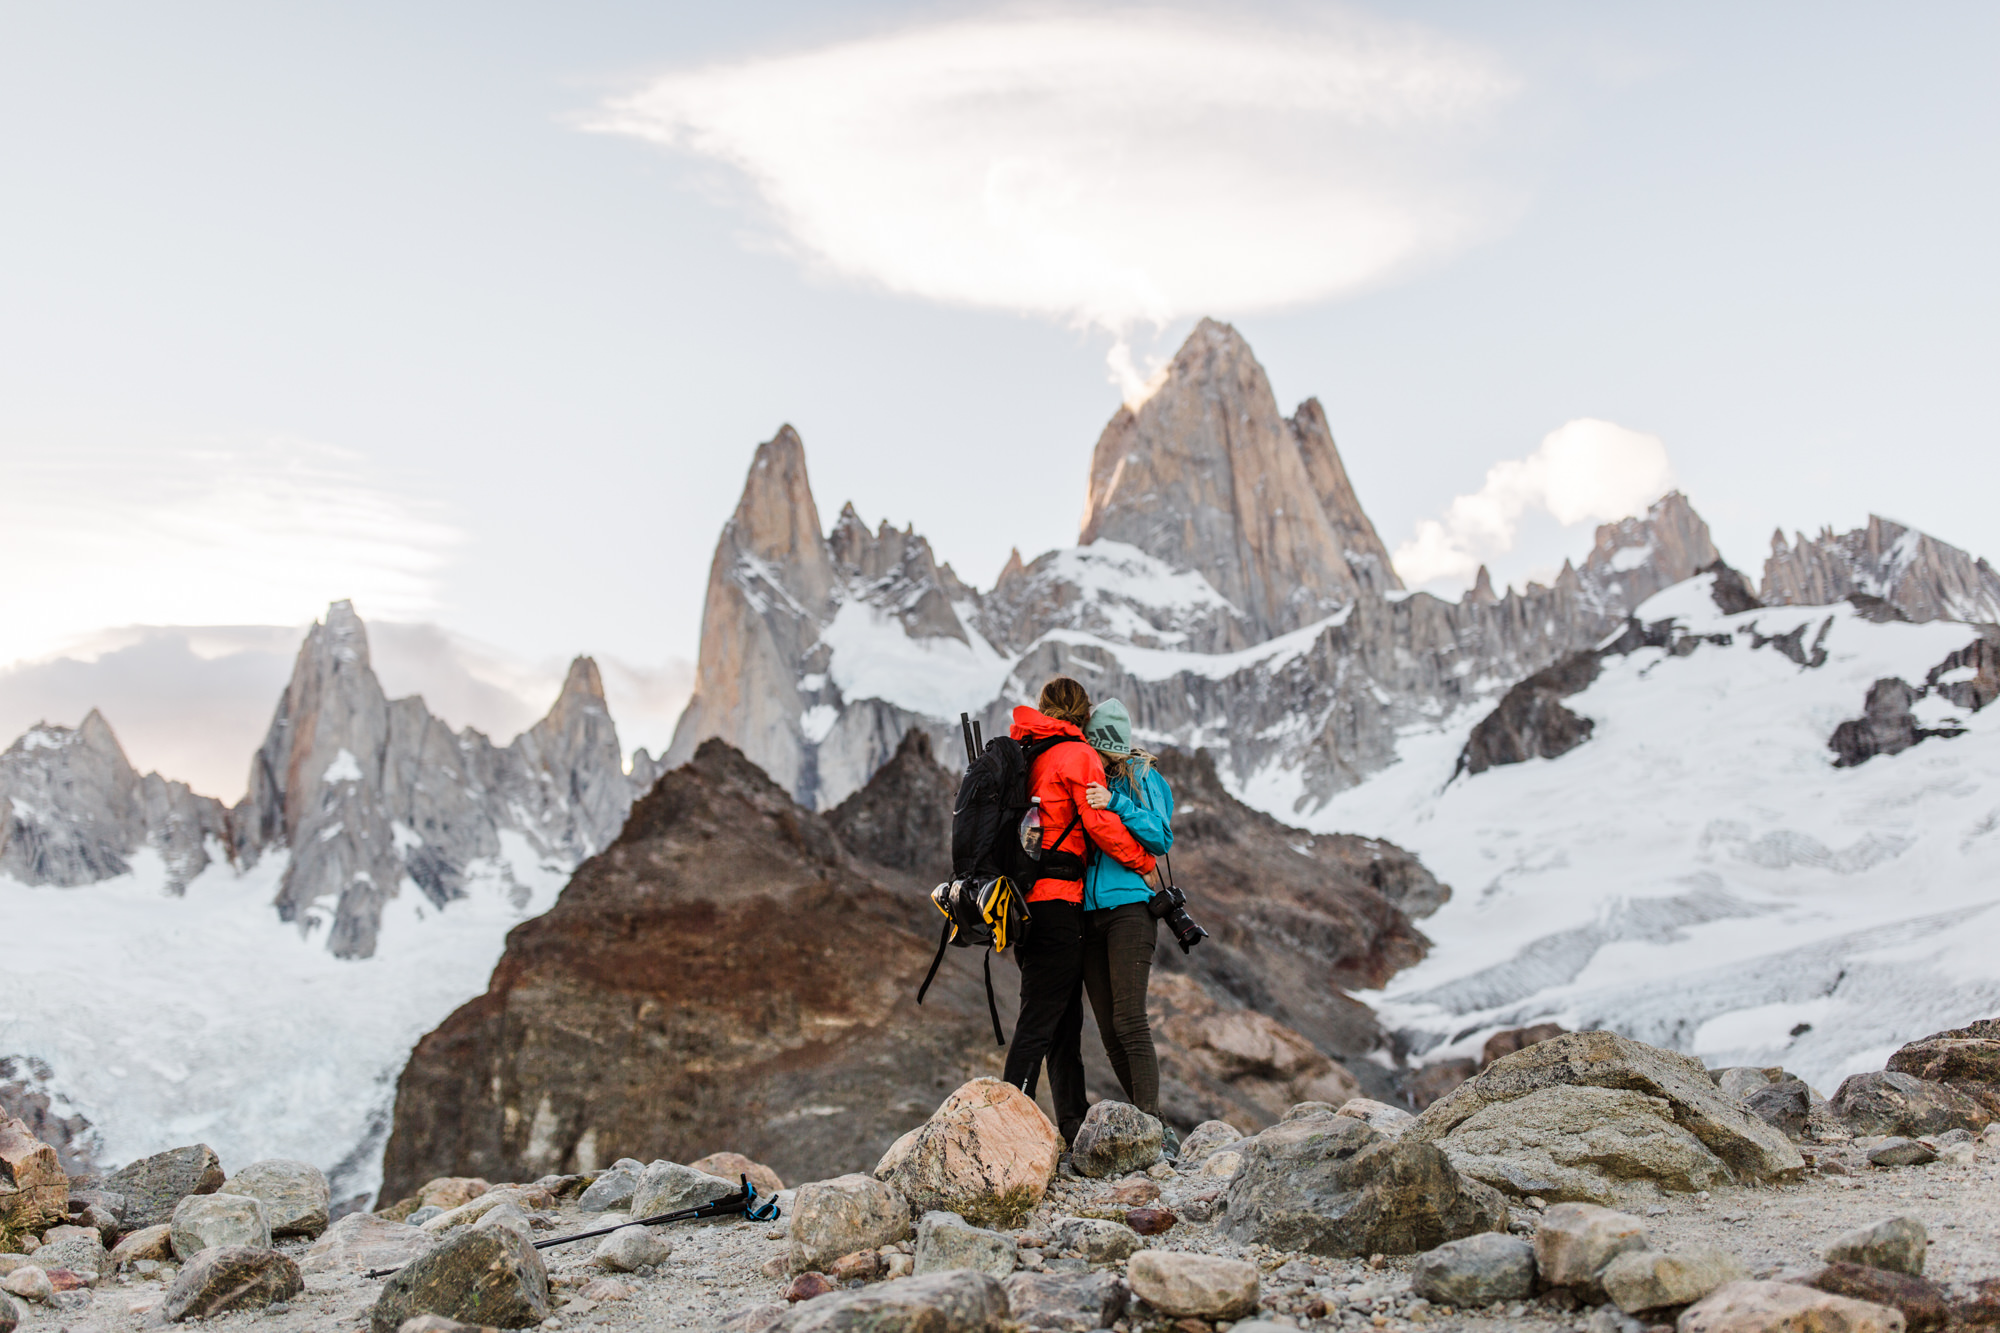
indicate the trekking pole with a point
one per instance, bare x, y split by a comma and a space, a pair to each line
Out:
978, 739
965, 728
744, 1201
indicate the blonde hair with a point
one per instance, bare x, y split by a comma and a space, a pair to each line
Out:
1066, 701
1131, 766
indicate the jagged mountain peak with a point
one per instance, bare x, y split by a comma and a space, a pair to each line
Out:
1924, 578
1209, 476
777, 521
74, 811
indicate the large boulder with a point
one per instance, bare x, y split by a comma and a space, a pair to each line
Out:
1116, 1139
1576, 1242
839, 1216
612, 1188
230, 1277
1066, 1302
1476, 1270
669, 1187
78, 1249
734, 1166
1893, 1102
1652, 1280
1784, 1307
34, 1192
1335, 1185
629, 1249
154, 1186
1897, 1244
449, 1192
960, 1302
988, 1154
362, 1242
156, 1243
294, 1194
1097, 1240
525, 1197
946, 1241
1749, 1148
205, 1220
1922, 1303
1581, 1143
1194, 1286
480, 1275
1965, 1056
1204, 1139
1785, 1106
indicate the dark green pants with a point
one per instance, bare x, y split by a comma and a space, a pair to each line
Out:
1117, 963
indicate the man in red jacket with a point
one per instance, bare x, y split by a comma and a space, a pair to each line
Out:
1050, 1026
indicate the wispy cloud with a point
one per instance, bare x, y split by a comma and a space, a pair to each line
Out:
1587, 471
256, 534
1106, 169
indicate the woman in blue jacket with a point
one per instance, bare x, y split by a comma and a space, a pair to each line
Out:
1119, 928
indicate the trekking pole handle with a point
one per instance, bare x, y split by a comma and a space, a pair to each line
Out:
965, 727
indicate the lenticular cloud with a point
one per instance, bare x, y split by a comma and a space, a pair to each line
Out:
1108, 170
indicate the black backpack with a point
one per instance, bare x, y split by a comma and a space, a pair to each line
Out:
983, 905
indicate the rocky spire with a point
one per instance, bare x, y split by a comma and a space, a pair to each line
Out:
317, 786
1206, 475
1920, 576
367, 792
1359, 542
777, 523
770, 589
574, 758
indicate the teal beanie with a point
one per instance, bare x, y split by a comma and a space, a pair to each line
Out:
1110, 728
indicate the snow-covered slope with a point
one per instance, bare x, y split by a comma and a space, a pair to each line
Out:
204, 1018
1698, 874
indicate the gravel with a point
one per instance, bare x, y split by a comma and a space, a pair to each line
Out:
1772, 1231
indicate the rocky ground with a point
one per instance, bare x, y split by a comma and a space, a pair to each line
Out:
716, 1268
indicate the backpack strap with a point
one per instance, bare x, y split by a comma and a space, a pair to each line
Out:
1056, 863
944, 938
992, 1009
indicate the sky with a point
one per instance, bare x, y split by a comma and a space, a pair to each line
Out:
474, 313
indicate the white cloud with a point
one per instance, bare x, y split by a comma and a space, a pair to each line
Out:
250, 535
1587, 471
1107, 169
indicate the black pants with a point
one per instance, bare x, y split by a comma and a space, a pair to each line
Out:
1051, 1023
1117, 965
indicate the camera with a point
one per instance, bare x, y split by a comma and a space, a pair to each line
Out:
1170, 905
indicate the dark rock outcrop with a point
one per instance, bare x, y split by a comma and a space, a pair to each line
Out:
1892, 1102
1731, 591
725, 976
1886, 726
1923, 1303
1531, 722
1982, 658
736, 972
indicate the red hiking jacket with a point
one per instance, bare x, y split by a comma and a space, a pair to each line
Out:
1059, 775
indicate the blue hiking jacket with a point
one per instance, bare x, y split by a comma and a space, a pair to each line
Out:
1148, 814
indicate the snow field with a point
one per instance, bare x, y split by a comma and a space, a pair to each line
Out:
170, 1020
